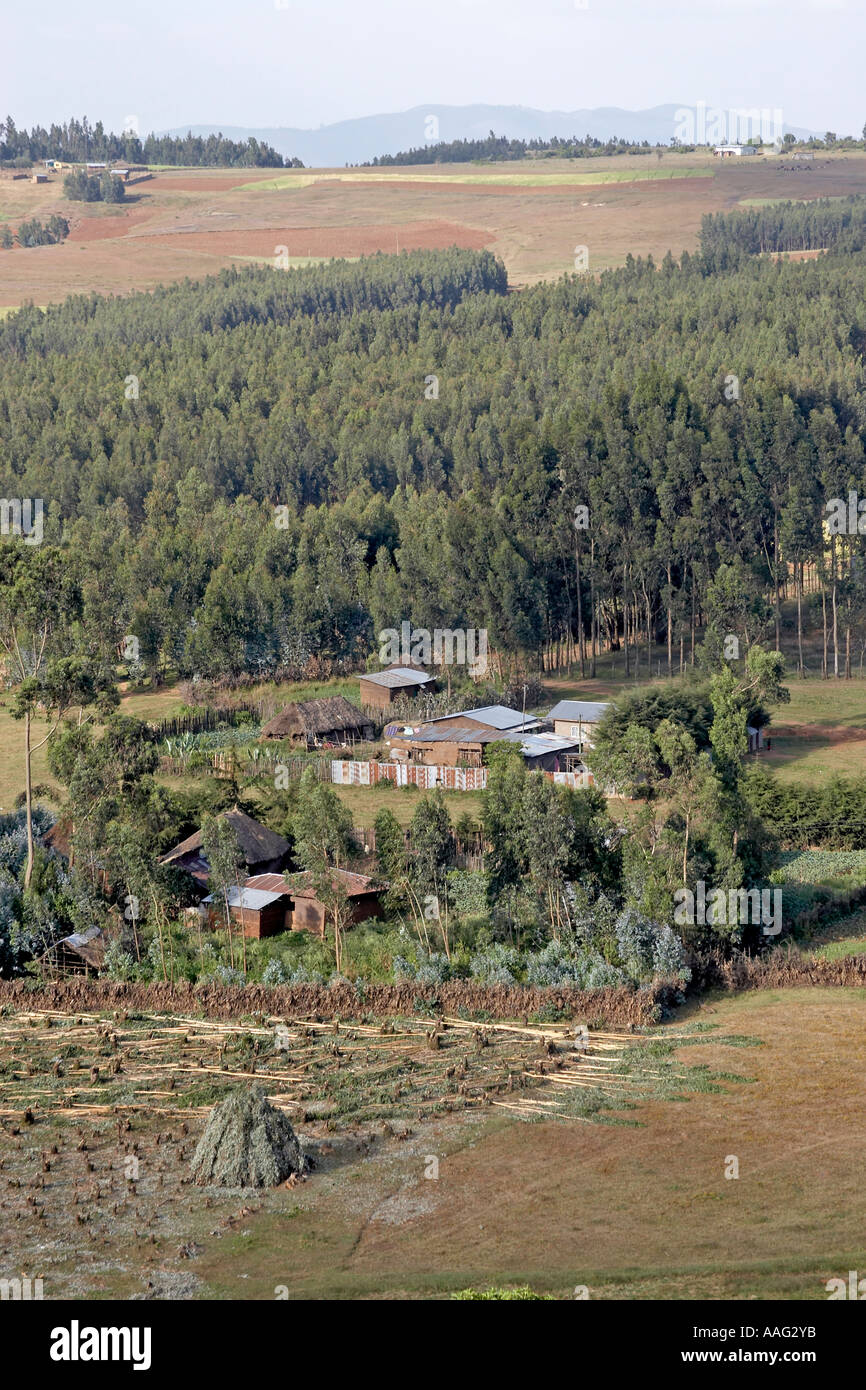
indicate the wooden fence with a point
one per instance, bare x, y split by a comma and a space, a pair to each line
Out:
203, 721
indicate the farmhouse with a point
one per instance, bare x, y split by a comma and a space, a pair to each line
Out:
379, 689
734, 151
317, 723
453, 739
310, 914
259, 912
578, 720
458, 740
263, 850
271, 903
549, 752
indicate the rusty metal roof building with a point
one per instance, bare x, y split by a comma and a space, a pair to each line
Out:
300, 885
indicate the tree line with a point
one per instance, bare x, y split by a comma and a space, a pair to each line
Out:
785, 226
78, 141
499, 148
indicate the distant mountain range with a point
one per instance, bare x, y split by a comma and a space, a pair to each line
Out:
354, 141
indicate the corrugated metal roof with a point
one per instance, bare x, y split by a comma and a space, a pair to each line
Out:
253, 898
453, 735
497, 716
397, 675
271, 883
536, 745
590, 711
81, 938
299, 885
466, 734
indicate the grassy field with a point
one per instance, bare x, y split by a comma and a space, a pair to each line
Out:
821, 733
631, 1201
845, 938
190, 222
491, 174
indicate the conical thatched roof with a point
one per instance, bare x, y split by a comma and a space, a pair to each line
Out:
246, 1143
257, 843
331, 713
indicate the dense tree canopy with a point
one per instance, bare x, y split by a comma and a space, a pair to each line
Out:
270, 462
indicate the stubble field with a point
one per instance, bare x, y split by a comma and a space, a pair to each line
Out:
631, 1201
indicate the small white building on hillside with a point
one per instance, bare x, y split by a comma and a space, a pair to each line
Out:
734, 151
578, 720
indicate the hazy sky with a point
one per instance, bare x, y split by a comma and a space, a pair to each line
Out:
310, 62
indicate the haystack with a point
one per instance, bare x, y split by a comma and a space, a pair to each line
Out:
247, 1143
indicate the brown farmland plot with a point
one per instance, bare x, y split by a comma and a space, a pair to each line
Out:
188, 222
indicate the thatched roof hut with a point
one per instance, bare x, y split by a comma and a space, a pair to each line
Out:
264, 851
82, 953
332, 719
